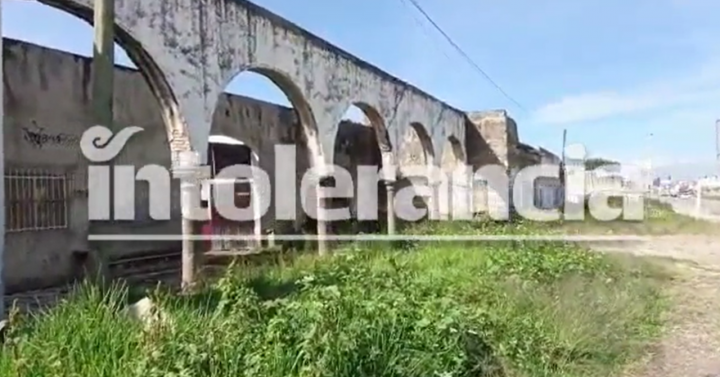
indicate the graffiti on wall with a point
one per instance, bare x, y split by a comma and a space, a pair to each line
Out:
40, 138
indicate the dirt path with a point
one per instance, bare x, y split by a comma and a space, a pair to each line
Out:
691, 346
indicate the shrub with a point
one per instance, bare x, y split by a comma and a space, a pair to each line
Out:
492, 309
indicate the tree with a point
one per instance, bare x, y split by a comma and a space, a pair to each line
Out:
596, 162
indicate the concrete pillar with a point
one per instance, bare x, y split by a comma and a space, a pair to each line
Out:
271, 239
389, 174
103, 83
189, 259
390, 197
322, 225
186, 166
461, 205
257, 218
354, 215
255, 202
434, 207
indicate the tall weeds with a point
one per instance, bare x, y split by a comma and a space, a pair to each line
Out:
501, 309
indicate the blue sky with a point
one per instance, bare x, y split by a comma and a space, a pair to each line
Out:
612, 72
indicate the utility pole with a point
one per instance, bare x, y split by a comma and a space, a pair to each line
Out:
103, 66
717, 140
562, 172
564, 143
649, 175
2, 187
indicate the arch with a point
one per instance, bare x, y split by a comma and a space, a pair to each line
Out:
151, 72
457, 149
361, 140
417, 151
453, 166
299, 103
425, 142
296, 126
378, 124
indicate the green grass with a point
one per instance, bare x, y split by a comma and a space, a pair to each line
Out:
659, 220
463, 309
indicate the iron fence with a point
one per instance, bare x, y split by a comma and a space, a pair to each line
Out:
35, 200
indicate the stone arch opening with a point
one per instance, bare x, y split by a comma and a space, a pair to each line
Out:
425, 141
372, 118
453, 166
263, 107
416, 157
224, 152
146, 65
304, 120
360, 143
453, 155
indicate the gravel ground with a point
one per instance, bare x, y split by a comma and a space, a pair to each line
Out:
691, 346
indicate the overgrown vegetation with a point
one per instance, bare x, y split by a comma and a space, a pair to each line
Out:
659, 220
444, 309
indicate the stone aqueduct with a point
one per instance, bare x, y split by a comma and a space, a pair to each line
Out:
190, 50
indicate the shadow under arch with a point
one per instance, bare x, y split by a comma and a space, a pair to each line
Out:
454, 197
480, 155
297, 126
359, 145
425, 141
418, 173
147, 66
457, 150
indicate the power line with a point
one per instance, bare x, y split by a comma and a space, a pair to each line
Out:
420, 9
422, 26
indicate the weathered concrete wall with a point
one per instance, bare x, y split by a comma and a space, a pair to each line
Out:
196, 50
524, 155
495, 128
47, 102
546, 191
491, 137
46, 108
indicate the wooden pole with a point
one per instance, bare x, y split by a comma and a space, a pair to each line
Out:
103, 65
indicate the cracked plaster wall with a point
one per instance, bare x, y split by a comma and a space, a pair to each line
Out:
492, 137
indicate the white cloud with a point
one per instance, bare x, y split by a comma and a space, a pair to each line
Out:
699, 87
